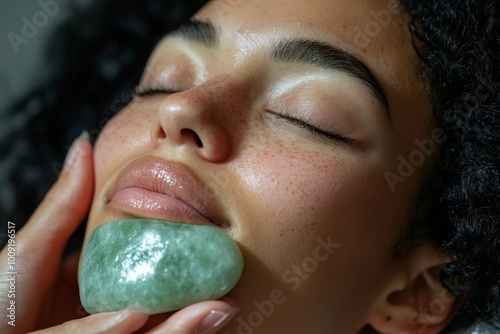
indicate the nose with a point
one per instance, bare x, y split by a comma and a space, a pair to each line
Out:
197, 119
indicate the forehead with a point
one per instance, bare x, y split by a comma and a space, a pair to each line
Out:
375, 31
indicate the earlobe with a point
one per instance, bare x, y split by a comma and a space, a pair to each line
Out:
415, 301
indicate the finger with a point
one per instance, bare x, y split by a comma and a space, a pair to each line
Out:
121, 322
201, 318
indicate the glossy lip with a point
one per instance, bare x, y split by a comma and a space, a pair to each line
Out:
156, 189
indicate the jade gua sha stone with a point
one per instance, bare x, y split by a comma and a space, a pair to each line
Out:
159, 265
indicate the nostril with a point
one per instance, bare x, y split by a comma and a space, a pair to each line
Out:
191, 133
198, 140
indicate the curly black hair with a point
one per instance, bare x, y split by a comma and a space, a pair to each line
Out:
461, 50
95, 68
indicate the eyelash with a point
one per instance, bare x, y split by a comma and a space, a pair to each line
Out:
312, 128
145, 92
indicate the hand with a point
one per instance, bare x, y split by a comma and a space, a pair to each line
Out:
46, 289
201, 318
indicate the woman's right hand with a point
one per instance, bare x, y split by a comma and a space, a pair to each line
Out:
46, 289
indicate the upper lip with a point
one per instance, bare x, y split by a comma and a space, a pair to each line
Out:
157, 175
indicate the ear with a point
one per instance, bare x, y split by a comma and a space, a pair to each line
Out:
414, 301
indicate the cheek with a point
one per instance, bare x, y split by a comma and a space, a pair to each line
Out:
309, 184
303, 195
299, 190
292, 186
122, 139
294, 197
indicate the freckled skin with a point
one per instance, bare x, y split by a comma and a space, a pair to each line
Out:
281, 186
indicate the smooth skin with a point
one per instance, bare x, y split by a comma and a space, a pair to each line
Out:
278, 185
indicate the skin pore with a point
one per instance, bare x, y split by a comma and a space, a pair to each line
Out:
288, 150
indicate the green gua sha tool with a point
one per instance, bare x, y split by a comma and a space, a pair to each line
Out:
158, 265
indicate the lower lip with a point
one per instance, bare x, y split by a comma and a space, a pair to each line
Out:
148, 204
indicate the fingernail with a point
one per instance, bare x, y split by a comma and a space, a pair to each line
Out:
73, 151
215, 320
137, 309
117, 319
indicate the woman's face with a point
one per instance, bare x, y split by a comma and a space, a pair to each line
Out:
273, 133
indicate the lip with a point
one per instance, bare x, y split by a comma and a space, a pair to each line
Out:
156, 189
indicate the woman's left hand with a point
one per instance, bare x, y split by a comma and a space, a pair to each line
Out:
44, 286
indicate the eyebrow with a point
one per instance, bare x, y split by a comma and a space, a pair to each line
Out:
299, 51
199, 32
319, 54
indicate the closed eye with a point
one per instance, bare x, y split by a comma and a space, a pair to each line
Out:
314, 129
148, 91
